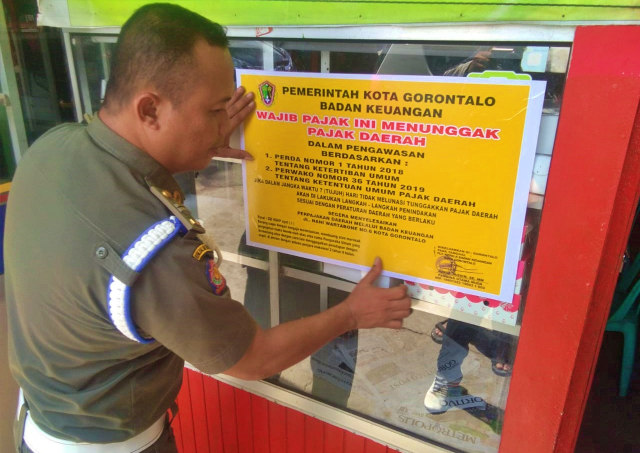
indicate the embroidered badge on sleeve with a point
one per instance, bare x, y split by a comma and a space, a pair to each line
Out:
201, 251
215, 278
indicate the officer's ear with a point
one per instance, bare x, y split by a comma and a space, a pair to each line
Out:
147, 106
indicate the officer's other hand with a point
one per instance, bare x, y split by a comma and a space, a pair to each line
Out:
372, 306
238, 109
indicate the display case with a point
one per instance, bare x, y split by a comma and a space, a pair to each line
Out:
374, 382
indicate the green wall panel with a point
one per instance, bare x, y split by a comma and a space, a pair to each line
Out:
104, 13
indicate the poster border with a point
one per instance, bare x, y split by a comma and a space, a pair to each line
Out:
520, 196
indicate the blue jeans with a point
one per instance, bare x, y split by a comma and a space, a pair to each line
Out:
456, 339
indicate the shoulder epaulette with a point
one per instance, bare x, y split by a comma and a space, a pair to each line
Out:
174, 202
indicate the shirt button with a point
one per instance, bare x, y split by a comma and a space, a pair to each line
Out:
102, 252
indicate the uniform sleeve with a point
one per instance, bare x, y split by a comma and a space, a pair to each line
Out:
182, 301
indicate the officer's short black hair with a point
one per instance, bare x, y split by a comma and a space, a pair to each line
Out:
155, 47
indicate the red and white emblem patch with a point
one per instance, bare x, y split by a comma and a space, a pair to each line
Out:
215, 278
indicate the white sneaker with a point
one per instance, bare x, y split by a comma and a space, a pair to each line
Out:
442, 397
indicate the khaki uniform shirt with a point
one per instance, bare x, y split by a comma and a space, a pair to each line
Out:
77, 190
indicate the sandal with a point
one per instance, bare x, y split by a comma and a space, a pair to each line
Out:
503, 356
441, 326
500, 371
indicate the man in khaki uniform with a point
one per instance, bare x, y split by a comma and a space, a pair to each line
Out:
109, 290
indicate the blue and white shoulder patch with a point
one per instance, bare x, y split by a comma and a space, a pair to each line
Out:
139, 253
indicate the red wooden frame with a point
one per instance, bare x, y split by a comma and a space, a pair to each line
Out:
593, 188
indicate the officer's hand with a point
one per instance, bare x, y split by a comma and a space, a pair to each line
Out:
238, 108
378, 307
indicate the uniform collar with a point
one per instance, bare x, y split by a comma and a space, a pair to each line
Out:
130, 155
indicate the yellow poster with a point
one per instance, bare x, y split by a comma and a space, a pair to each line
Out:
431, 174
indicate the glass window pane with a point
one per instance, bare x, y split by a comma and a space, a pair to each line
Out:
92, 57
443, 377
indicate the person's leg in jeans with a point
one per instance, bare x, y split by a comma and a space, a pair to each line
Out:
446, 391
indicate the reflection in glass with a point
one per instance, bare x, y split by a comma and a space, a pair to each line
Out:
442, 377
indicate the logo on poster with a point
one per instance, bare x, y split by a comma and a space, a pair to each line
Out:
446, 265
267, 93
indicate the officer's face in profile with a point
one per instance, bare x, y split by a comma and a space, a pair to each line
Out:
195, 128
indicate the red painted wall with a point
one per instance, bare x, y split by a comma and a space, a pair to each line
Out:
215, 417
